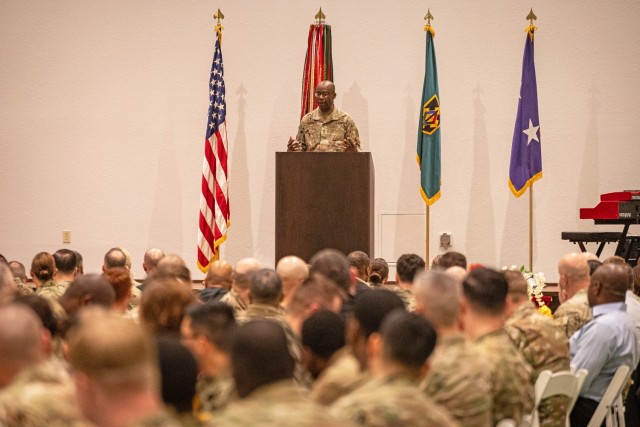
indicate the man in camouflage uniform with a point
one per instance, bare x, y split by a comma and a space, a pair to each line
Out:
66, 268
391, 396
265, 294
206, 330
149, 263
263, 372
541, 341
7, 285
292, 271
35, 388
407, 267
574, 310
359, 266
484, 293
217, 283
20, 277
458, 378
334, 368
115, 369
238, 296
316, 293
326, 128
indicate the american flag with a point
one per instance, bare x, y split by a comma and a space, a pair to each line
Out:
214, 202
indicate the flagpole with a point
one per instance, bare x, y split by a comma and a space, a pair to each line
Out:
531, 227
530, 17
427, 259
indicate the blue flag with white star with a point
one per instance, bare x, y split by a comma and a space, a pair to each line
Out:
526, 154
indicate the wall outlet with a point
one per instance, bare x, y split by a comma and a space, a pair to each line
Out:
446, 240
66, 236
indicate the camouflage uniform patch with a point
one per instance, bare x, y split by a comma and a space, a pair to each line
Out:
259, 312
322, 133
281, 404
136, 294
50, 290
574, 313
233, 299
510, 376
406, 296
544, 345
391, 401
340, 377
41, 395
459, 380
213, 393
23, 288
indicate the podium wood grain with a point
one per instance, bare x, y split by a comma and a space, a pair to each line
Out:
324, 200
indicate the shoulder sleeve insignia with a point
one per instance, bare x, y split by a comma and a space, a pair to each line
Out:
431, 115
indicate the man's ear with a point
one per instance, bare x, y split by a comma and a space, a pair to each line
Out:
85, 299
597, 288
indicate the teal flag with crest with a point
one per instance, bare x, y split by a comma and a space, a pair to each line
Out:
429, 127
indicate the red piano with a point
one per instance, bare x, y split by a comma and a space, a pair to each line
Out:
621, 207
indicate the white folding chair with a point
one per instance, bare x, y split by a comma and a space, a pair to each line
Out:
611, 407
563, 383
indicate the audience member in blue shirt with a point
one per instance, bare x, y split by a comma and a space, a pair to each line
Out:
606, 342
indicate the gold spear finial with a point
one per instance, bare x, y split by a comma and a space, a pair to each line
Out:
428, 17
218, 15
531, 17
320, 17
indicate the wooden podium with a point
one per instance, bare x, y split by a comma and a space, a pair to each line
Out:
323, 200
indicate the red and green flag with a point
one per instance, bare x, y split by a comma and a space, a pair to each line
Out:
318, 64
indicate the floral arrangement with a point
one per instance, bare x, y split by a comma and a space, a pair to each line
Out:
535, 284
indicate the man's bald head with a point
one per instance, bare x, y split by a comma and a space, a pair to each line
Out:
260, 356
21, 341
88, 289
219, 275
609, 283
292, 267
151, 259
114, 257
172, 259
18, 270
245, 268
588, 256
327, 86
248, 265
574, 265
293, 271
574, 275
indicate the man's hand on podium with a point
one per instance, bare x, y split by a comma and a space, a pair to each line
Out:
349, 145
294, 145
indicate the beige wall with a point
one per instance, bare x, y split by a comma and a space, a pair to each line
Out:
103, 108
